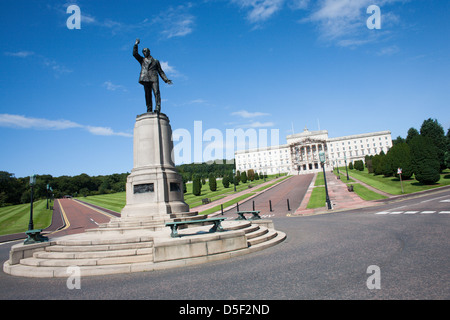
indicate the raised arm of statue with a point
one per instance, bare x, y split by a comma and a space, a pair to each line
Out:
136, 53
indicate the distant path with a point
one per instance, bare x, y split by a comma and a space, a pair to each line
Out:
78, 217
293, 189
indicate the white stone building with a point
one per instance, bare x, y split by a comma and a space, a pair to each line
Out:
301, 153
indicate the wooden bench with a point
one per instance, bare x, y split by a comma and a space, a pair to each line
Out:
175, 224
254, 217
206, 201
34, 236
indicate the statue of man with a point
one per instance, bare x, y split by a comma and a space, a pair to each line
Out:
150, 69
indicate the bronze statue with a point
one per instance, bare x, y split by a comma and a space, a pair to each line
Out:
150, 69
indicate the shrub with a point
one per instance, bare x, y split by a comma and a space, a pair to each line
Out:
425, 163
212, 182
196, 186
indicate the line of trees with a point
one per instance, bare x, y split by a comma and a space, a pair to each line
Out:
227, 180
17, 190
423, 154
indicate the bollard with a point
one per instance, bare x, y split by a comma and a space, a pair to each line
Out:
289, 207
221, 208
253, 205
237, 206
270, 205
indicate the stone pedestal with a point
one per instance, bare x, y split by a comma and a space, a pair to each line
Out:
154, 187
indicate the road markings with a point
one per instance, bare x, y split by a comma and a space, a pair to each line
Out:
448, 200
93, 221
411, 212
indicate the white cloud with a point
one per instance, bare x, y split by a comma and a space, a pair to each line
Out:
344, 21
246, 114
260, 10
113, 87
257, 124
20, 54
175, 22
169, 70
23, 122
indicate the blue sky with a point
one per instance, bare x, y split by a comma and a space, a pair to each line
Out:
69, 97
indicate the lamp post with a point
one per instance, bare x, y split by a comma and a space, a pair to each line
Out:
32, 183
48, 189
234, 179
322, 160
345, 159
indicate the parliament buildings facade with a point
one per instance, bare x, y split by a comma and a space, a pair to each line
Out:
301, 153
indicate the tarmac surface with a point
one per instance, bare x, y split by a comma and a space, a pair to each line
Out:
326, 256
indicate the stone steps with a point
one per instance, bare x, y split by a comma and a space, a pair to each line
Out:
105, 253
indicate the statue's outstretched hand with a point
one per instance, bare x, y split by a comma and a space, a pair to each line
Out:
169, 82
137, 41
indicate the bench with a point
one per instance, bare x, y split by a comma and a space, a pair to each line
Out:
350, 188
254, 217
34, 236
206, 201
175, 224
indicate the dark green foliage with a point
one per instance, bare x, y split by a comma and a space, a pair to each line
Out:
226, 181
244, 177
432, 129
412, 132
212, 182
359, 165
399, 156
424, 160
196, 186
350, 165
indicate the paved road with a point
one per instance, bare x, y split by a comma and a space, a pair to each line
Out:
293, 189
324, 257
79, 217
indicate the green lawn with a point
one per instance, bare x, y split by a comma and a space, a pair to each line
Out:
392, 186
116, 201
14, 219
365, 193
317, 198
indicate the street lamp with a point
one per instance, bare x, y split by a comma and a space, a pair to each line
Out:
32, 183
322, 160
345, 159
234, 179
33, 236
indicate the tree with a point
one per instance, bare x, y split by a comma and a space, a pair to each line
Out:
244, 177
412, 132
398, 140
212, 182
377, 163
251, 174
424, 160
432, 129
359, 165
400, 157
226, 181
196, 186
350, 165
